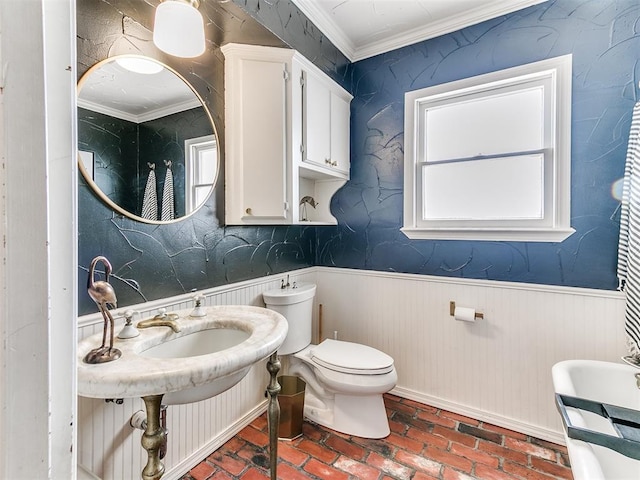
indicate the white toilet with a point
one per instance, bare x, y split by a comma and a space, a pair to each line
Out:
345, 380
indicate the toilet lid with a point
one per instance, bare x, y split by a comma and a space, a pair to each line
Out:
348, 357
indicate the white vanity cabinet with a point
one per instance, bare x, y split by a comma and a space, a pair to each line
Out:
287, 137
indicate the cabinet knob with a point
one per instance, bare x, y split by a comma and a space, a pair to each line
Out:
248, 211
328, 161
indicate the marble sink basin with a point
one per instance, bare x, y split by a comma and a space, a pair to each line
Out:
209, 355
200, 342
604, 382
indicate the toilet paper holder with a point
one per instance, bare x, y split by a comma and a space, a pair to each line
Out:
452, 310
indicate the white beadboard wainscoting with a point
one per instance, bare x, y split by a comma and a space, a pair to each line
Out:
497, 369
110, 448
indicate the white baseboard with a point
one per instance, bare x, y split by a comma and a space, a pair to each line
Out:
498, 420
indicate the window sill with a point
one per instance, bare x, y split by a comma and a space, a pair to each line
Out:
504, 235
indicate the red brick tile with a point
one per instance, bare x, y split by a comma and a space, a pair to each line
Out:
397, 427
260, 423
503, 452
524, 472
552, 468
377, 446
254, 436
322, 470
405, 443
481, 433
312, 432
249, 452
345, 447
456, 461
412, 422
451, 474
220, 475
504, 431
419, 463
227, 463
360, 470
291, 454
425, 444
476, 456
202, 471
287, 472
390, 467
436, 419
233, 445
488, 473
454, 436
423, 476
550, 445
255, 474
427, 438
529, 449
400, 407
318, 451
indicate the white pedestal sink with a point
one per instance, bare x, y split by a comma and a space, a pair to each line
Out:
208, 355
604, 382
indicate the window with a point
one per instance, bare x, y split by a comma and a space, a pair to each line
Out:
201, 162
488, 157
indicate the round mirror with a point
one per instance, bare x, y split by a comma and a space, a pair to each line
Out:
146, 142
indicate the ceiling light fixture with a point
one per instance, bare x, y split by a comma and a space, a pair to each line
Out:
179, 28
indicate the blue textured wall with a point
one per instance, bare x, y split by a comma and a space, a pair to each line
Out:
157, 261
603, 37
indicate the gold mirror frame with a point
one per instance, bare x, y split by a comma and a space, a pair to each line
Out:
89, 178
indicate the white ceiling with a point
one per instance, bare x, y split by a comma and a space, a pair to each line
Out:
364, 28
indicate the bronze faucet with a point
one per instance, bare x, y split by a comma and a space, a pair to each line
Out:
163, 319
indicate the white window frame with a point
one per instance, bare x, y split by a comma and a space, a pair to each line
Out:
553, 76
193, 149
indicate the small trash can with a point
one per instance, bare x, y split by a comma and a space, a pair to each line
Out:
291, 399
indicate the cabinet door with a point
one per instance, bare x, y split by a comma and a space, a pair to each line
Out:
264, 154
316, 99
340, 133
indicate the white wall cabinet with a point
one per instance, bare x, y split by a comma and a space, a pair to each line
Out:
326, 113
287, 137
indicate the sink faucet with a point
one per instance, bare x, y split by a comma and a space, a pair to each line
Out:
162, 319
285, 285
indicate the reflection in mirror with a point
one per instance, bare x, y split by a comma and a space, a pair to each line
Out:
146, 142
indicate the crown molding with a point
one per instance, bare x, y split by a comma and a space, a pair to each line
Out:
322, 20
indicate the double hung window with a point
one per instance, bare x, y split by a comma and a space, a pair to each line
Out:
488, 157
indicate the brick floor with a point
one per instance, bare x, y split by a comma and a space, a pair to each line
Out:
425, 443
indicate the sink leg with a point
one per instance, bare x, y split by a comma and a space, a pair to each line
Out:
153, 439
273, 413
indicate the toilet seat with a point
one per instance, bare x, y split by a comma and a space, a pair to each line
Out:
351, 358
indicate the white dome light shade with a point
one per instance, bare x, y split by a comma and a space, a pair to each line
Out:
179, 29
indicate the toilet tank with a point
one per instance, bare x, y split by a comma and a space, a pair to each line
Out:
296, 305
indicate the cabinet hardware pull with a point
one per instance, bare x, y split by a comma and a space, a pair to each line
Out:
331, 163
248, 211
